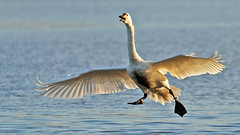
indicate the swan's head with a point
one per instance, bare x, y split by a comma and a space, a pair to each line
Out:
126, 18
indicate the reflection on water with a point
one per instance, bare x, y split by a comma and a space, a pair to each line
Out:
52, 40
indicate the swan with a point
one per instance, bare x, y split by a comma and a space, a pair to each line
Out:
146, 75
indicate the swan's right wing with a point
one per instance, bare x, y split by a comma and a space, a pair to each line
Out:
182, 66
90, 83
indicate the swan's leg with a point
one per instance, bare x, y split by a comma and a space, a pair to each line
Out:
140, 101
170, 91
179, 108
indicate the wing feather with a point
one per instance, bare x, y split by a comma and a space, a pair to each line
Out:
90, 83
182, 66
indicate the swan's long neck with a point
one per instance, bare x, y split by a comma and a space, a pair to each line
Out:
132, 53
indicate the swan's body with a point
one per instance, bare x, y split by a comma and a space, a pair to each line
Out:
148, 76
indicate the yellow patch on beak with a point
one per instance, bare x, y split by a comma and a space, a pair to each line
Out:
124, 16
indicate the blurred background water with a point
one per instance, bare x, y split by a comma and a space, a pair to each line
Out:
53, 39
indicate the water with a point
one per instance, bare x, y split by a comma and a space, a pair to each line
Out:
54, 39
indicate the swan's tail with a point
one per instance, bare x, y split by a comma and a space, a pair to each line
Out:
162, 95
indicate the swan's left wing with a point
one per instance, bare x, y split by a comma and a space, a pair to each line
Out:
182, 66
90, 83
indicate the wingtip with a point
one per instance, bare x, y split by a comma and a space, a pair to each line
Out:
40, 89
217, 57
39, 80
40, 84
214, 55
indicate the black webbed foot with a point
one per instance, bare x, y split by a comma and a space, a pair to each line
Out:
139, 102
179, 108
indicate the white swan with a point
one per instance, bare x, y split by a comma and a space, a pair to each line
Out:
148, 76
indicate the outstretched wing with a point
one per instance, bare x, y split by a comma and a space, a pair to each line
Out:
182, 66
90, 83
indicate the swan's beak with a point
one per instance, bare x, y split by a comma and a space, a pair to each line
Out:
123, 17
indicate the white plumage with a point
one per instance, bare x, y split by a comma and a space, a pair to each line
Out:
148, 76
93, 82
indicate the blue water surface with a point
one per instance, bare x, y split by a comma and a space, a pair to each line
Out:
56, 39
